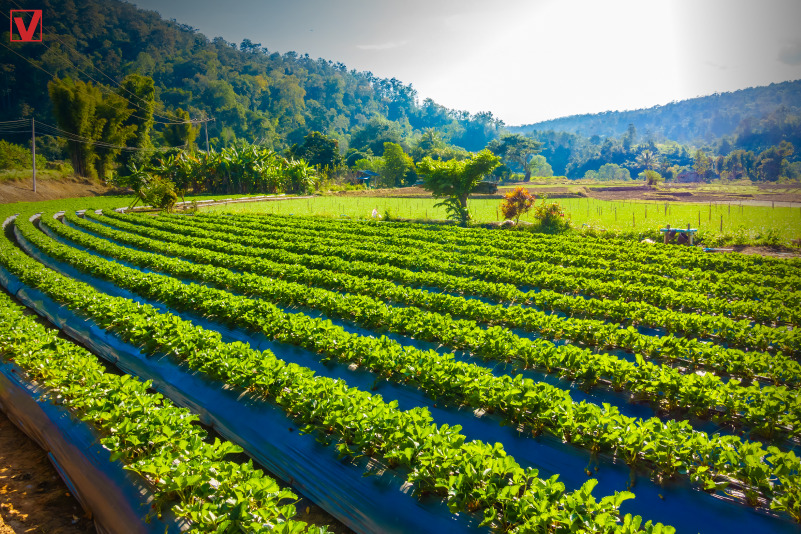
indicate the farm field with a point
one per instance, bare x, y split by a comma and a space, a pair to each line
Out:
746, 222
486, 380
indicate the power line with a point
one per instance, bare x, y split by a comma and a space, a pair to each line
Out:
81, 139
58, 132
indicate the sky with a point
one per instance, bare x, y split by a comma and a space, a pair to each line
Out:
526, 60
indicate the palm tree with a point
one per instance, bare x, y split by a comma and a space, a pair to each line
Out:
648, 159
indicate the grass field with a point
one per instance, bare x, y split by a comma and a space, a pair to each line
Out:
741, 222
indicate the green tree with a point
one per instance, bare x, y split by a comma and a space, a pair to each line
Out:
648, 159
300, 177
111, 115
739, 164
17, 157
772, 162
610, 172
430, 143
74, 105
318, 150
516, 149
353, 155
702, 164
538, 166
374, 134
652, 177
629, 138
182, 134
453, 180
398, 166
141, 92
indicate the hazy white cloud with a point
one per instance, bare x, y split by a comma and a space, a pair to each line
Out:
382, 46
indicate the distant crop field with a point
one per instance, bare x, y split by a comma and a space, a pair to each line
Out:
745, 221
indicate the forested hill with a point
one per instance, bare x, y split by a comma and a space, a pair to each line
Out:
761, 111
252, 93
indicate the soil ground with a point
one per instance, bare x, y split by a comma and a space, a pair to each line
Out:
22, 190
33, 498
757, 194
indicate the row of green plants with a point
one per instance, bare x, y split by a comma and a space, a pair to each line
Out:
562, 251
662, 386
542, 276
666, 257
185, 472
472, 477
686, 352
740, 287
668, 448
740, 334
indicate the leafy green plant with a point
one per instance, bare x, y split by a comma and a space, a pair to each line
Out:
552, 217
150, 436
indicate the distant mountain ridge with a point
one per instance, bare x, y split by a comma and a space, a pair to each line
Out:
701, 120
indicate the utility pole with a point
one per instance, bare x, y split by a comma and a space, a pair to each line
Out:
33, 151
206, 127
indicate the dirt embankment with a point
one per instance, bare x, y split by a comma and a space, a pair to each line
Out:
33, 498
756, 194
51, 189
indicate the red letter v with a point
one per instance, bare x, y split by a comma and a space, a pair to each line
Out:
27, 33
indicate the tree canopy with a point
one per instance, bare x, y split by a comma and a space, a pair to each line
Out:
453, 180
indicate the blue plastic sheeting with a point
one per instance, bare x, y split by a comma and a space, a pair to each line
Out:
366, 504
677, 503
117, 498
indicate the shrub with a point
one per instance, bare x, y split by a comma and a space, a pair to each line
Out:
652, 177
516, 203
160, 193
552, 217
16, 157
